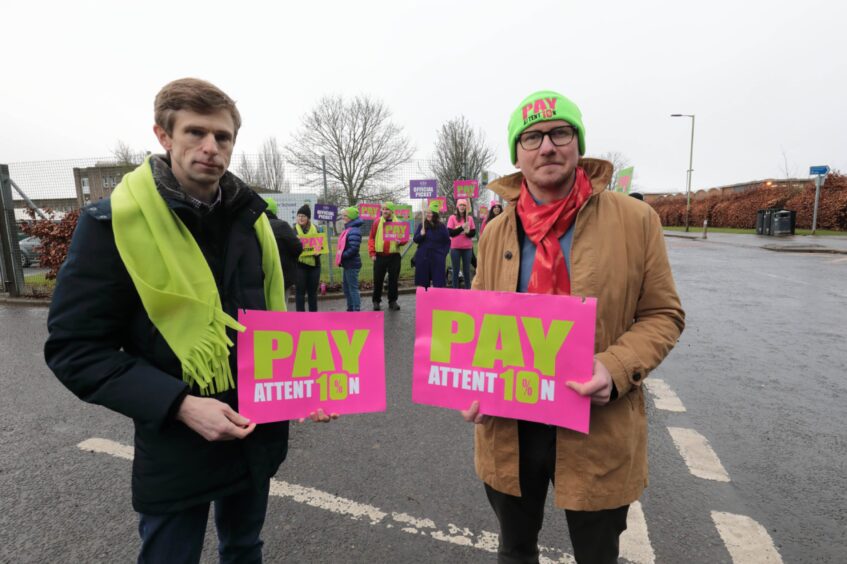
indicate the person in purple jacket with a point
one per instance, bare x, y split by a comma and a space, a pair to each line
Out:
433, 242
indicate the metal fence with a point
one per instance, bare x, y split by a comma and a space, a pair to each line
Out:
51, 189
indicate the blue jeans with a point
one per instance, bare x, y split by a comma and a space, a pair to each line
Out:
178, 537
465, 256
350, 284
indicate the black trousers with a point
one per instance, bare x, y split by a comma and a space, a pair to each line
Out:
594, 534
308, 279
177, 538
386, 264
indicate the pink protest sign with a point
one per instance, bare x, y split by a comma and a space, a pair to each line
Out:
314, 245
511, 352
290, 364
465, 188
369, 211
442, 203
395, 231
402, 211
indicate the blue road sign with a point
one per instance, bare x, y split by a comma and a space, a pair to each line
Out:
813, 170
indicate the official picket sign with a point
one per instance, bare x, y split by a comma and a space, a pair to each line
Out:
395, 231
290, 364
314, 245
512, 352
423, 188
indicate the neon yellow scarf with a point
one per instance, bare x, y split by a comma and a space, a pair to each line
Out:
379, 241
175, 283
310, 260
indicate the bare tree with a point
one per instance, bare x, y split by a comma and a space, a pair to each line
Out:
271, 167
362, 146
788, 171
126, 155
460, 153
619, 162
265, 171
247, 171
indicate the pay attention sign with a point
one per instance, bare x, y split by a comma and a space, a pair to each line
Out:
511, 352
290, 364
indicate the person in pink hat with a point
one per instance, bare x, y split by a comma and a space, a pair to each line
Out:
462, 231
494, 209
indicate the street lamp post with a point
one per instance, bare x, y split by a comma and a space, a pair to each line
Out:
690, 169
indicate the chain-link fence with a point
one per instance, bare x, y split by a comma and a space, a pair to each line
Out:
53, 192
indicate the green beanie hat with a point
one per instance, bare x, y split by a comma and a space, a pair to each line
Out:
271, 205
544, 105
352, 212
389, 205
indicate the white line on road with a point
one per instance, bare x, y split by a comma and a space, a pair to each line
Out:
663, 396
747, 541
635, 542
698, 455
485, 540
837, 261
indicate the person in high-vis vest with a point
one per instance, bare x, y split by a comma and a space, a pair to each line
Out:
386, 257
308, 267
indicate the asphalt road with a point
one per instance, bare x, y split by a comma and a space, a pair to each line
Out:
759, 370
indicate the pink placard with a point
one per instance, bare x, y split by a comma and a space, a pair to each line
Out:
465, 189
314, 245
442, 203
395, 231
512, 352
290, 364
369, 211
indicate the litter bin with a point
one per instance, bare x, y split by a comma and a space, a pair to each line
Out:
767, 224
783, 222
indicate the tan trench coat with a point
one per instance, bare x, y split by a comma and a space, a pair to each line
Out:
619, 257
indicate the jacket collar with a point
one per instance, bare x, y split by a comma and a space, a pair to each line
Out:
598, 171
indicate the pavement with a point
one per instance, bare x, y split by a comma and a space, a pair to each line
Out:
786, 244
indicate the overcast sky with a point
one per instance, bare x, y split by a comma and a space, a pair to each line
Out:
767, 80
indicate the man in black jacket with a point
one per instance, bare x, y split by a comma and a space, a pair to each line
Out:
289, 245
191, 445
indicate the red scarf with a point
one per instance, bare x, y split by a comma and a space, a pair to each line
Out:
545, 224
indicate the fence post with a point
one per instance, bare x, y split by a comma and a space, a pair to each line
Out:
13, 273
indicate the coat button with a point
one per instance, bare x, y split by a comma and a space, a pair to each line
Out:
508, 255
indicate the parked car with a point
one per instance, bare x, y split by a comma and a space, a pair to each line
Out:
30, 250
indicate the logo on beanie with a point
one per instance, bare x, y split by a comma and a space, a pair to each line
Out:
542, 108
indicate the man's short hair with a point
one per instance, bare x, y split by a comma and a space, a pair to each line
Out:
192, 94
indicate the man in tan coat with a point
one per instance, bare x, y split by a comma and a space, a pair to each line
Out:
564, 233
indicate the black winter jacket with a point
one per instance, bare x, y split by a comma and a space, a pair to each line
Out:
104, 348
289, 245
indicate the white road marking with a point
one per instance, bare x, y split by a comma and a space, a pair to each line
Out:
838, 260
663, 396
105, 446
453, 534
698, 455
635, 542
747, 541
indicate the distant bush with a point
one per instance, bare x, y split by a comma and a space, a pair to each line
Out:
739, 210
55, 236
